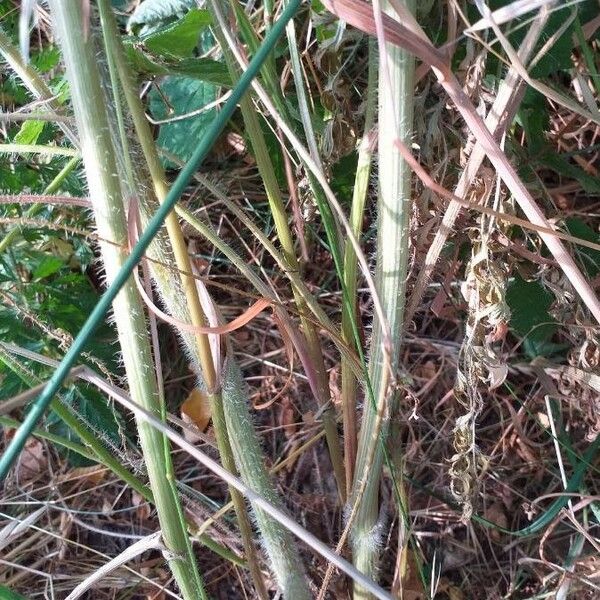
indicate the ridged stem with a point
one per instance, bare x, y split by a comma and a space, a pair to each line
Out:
105, 193
396, 102
349, 311
199, 344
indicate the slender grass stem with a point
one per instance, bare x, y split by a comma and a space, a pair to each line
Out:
349, 311
97, 450
396, 90
105, 193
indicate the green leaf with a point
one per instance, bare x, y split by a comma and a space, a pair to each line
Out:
343, 177
93, 410
46, 59
30, 132
558, 56
203, 69
48, 266
561, 165
179, 39
533, 117
153, 13
529, 303
183, 95
7, 594
589, 258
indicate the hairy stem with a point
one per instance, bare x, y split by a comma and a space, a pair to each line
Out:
349, 311
396, 88
105, 193
200, 347
273, 192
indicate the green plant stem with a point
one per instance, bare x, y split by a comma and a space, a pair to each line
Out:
279, 543
273, 192
285, 561
349, 311
200, 346
34, 209
105, 193
396, 100
320, 318
37, 149
56, 439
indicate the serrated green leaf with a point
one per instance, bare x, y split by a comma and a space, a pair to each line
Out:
48, 266
29, 132
183, 95
46, 59
529, 303
203, 69
153, 13
178, 39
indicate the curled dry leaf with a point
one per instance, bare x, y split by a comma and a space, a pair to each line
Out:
196, 410
32, 461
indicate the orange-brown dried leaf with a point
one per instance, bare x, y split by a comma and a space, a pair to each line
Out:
32, 460
197, 409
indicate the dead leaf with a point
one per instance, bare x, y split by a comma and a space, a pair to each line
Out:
196, 409
407, 581
495, 513
334, 385
32, 460
142, 506
446, 587
286, 416
85, 477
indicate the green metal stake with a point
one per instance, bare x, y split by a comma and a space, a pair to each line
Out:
95, 319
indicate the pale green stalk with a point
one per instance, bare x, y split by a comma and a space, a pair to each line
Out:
105, 193
349, 310
37, 149
396, 101
197, 345
280, 545
278, 541
267, 172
